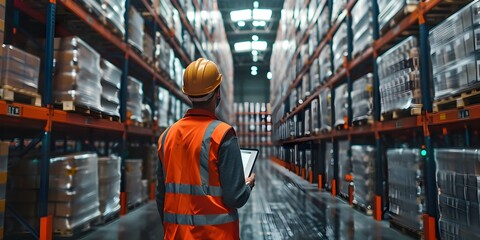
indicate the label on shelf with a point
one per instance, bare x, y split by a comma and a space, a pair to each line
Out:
462, 114
14, 111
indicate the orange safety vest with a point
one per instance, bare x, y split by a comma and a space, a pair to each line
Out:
193, 206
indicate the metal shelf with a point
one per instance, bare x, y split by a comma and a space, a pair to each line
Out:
461, 116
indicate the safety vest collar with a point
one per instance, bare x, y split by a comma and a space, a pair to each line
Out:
200, 112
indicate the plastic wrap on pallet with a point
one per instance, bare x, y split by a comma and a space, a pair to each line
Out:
114, 11
148, 46
109, 185
458, 180
325, 64
314, 118
344, 166
325, 110
339, 46
323, 19
93, 6
135, 99
405, 187
453, 53
337, 7
111, 77
388, 10
307, 122
341, 105
18, 68
362, 98
399, 76
73, 198
162, 104
362, 26
133, 180
363, 170
135, 29
77, 73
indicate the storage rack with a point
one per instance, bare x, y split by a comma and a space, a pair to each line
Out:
423, 131
44, 126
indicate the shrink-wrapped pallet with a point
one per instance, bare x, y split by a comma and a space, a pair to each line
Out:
388, 10
109, 185
19, 69
148, 46
339, 46
114, 11
344, 166
337, 7
362, 98
133, 177
325, 110
135, 29
405, 187
324, 18
362, 26
135, 99
163, 98
341, 105
363, 171
111, 78
325, 64
314, 118
77, 73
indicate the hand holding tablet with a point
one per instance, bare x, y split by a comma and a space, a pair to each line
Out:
249, 156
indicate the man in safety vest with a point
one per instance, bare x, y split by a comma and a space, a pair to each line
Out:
200, 175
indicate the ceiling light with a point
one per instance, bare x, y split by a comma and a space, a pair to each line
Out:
269, 75
241, 24
254, 73
259, 45
255, 38
254, 52
255, 4
262, 14
241, 15
255, 58
254, 68
259, 23
243, 46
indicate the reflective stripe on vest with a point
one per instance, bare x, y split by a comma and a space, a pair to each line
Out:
193, 189
201, 220
204, 152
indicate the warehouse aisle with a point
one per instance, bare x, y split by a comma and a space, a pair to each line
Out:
282, 206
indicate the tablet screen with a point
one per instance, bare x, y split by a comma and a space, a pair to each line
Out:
249, 157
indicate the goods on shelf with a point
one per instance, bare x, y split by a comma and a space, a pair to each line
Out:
150, 164
362, 98
163, 98
362, 26
315, 115
109, 185
405, 187
363, 170
313, 40
389, 10
329, 162
163, 53
114, 11
135, 29
307, 122
308, 163
164, 9
337, 7
135, 99
176, 72
3, 182
2, 21
339, 46
341, 105
148, 47
133, 178
325, 64
73, 198
458, 178
325, 110
19, 69
344, 166
77, 74
453, 52
399, 74
111, 78
323, 21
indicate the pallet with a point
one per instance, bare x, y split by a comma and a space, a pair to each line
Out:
340, 127
405, 11
13, 94
414, 110
367, 210
102, 220
363, 121
457, 101
70, 106
109, 117
417, 234
71, 233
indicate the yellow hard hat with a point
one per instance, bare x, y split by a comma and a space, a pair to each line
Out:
201, 77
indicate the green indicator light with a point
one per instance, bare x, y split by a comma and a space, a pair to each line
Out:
423, 152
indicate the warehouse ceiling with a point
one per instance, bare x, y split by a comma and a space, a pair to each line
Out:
247, 24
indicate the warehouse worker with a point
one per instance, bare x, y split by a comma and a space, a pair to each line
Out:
200, 175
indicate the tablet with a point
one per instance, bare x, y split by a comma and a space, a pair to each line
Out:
249, 156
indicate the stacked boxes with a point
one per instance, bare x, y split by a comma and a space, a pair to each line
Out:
3, 182
73, 198
19, 69
133, 181
135, 29
363, 169
405, 187
399, 76
454, 52
135, 99
458, 180
362, 26
341, 105
109, 185
362, 98
344, 166
339, 46
388, 10
111, 78
325, 110
77, 74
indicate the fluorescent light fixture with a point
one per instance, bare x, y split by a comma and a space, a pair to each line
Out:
255, 58
254, 68
255, 38
259, 45
241, 23
262, 14
255, 4
259, 23
254, 73
254, 52
241, 15
269, 75
243, 46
